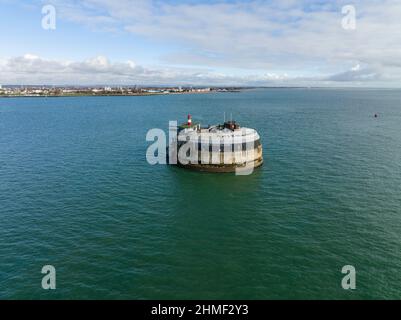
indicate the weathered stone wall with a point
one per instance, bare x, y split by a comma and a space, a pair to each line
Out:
227, 158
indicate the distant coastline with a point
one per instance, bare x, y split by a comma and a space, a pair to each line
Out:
54, 91
15, 91
32, 91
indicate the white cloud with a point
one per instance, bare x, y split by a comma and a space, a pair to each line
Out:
31, 69
29, 56
267, 39
356, 74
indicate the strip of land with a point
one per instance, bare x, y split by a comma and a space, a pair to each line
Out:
60, 91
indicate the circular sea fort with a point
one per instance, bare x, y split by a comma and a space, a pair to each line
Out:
226, 147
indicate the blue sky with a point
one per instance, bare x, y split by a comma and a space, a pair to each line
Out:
69, 41
251, 42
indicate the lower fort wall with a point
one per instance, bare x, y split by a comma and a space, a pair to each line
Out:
230, 158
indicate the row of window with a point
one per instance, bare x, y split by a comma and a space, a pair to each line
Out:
234, 147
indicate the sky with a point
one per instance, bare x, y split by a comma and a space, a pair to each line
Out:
205, 42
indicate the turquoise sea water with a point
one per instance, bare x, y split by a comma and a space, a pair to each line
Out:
76, 192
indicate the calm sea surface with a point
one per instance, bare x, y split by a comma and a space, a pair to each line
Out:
76, 192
